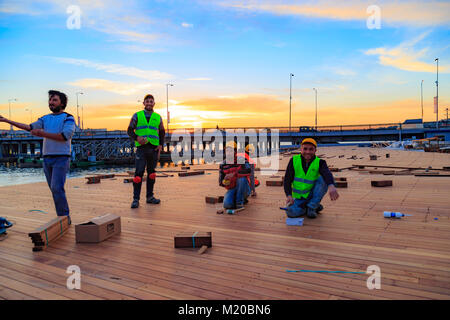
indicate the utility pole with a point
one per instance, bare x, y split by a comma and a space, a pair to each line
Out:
316, 105
290, 98
437, 92
9, 102
167, 96
421, 97
78, 115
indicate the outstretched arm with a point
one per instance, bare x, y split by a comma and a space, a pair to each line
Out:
22, 126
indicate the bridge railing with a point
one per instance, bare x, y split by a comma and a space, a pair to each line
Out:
96, 133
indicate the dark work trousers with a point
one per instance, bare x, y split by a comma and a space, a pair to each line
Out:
145, 156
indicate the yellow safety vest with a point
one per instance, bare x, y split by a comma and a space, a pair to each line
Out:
304, 182
149, 129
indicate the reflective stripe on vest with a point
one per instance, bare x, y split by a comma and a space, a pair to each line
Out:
304, 182
148, 129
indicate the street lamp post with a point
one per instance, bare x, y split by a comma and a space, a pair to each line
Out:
82, 117
316, 105
167, 105
290, 98
167, 102
9, 103
421, 97
437, 92
78, 115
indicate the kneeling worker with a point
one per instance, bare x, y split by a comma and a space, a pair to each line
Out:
306, 182
235, 178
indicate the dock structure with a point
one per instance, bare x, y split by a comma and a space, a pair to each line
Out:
252, 249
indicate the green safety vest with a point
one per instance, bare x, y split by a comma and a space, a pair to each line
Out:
304, 182
150, 129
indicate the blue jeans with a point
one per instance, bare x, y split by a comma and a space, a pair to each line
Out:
237, 195
300, 206
55, 170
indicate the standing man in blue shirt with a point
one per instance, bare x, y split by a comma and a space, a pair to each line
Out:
57, 129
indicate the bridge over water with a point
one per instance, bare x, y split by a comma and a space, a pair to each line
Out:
116, 145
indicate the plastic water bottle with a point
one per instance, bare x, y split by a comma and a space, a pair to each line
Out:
389, 214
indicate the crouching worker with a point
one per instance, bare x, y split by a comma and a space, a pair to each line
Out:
235, 178
306, 182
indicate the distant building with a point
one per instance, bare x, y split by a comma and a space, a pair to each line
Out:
412, 124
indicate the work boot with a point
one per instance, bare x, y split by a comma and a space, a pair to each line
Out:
319, 208
135, 204
311, 213
153, 200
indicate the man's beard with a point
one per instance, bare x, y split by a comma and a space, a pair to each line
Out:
55, 109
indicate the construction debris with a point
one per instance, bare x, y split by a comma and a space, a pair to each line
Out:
202, 249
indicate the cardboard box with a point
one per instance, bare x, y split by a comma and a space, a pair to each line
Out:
98, 228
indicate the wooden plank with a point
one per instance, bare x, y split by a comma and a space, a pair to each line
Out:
341, 184
381, 183
252, 250
192, 173
274, 183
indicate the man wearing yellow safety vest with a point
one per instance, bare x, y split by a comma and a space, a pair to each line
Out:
146, 129
306, 181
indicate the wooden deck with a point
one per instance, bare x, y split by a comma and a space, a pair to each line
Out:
251, 250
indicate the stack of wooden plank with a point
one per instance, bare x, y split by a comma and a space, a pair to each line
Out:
91, 180
193, 240
214, 200
105, 176
49, 232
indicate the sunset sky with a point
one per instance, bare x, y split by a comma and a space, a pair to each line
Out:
229, 61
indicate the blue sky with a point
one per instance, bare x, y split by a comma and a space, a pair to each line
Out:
229, 61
